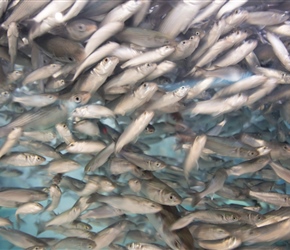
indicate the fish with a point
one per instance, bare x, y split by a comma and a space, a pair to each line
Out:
22, 159
129, 78
12, 35
62, 49
101, 35
41, 100
150, 56
144, 124
122, 12
134, 130
143, 37
12, 139
128, 103
157, 191
27, 208
96, 56
129, 203
75, 243
97, 76
93, 111
22, 11
216, 216
191, 161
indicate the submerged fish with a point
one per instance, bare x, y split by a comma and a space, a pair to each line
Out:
173, 114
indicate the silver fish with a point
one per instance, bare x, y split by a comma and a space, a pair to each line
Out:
132, 132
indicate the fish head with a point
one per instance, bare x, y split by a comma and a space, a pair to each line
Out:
145, 89
166, 50
107, 185
54, 189
181, 92
149, 129
133, 5
81, 29
5, 95
135, 185
237, 16
155, 165
230, 217
255, 218
151, 207
173, 199
183, 45
36, 159
80, 98
147, 68
106, 66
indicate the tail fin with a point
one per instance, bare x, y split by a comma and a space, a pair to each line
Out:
196, 198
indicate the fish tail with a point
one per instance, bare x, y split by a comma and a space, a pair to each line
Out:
93, 198
196, 198
19, 221
40, 225
4, 131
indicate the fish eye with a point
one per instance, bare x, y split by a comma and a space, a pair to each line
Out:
177, 244
81, 27
158, 164
145, 85
50, 97
197, 33
183, 42
70, 59
106, 59
77, 99
64, 125
148, 64
171, 197
5, 93
61, 82
21, 109
286, 147
237, 11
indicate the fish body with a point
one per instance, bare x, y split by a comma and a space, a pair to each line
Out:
132, 132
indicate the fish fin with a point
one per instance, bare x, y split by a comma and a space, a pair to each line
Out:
191, 72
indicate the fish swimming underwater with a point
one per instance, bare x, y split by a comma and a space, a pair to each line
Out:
144, 124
